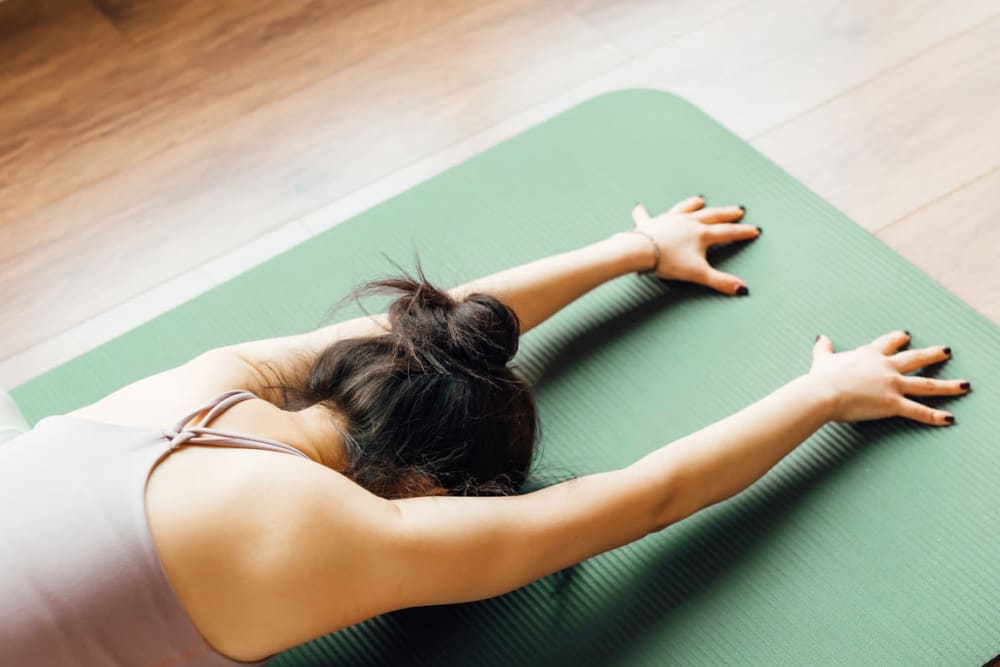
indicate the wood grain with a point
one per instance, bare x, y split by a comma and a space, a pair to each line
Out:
956, 240
140, 139
636, 26
904, 138
88, 102
189, 202
48, 108
771, 60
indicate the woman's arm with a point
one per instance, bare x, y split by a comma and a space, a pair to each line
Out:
676, 242
535, 291
437, 550
672, 245
471, 548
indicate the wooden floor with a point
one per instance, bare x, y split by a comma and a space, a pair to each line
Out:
152, 148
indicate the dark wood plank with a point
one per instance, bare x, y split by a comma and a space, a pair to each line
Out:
203, 196
84, 101
53, 55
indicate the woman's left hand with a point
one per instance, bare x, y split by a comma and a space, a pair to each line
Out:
686, 232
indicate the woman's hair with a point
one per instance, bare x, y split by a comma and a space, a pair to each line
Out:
434, 401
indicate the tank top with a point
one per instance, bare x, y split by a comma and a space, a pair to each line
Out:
81, 583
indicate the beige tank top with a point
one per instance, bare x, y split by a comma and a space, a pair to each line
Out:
81, 583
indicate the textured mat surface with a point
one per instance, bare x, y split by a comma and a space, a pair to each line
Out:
873, 544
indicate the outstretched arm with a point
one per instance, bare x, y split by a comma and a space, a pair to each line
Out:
436, 550
673, 244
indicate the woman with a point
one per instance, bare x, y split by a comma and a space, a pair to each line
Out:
319, 483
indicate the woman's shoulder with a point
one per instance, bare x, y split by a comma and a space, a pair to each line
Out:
234, 527
252, 416
161, 399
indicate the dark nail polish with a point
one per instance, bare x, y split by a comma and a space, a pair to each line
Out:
950, 419
742, 290
701, 196
966, 386
759, 230
907, 333
947, 351
743, 208
817, 338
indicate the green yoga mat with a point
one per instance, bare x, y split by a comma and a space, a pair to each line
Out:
872, 544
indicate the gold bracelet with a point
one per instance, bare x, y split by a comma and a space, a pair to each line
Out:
656, 252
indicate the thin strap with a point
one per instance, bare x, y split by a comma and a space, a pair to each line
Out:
201, 434
210, 404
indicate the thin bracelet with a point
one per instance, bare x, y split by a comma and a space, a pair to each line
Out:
656, 252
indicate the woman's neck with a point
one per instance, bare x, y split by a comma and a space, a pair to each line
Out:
313, 431
319, 436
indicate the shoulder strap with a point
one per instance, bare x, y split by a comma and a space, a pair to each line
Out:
201, 434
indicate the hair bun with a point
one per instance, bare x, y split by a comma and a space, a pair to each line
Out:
487, 328
479, 332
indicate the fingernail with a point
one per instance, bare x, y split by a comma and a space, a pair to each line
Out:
759, 230
966, 386
700, 196
907, 333
947, 351
742, 290
817, 338
743, 208
950, 419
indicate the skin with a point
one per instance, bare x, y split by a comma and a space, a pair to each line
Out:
267, 550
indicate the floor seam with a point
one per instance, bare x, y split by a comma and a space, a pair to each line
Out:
931, 202
864, 82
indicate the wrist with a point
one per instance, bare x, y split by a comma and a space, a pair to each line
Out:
634, 252
822, 397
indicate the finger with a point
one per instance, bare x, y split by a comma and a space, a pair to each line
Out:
722, 282
822, 346
688, 205
716, 214
728, 233
892, 341
911, 360
923, 413
923, 386
640, 214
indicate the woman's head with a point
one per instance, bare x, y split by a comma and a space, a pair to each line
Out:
432, 404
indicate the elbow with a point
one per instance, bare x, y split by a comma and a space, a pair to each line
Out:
678, 502
667, 514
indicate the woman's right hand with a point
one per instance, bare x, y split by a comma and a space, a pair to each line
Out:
870, 381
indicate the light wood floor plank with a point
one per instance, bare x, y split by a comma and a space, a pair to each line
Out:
905, 138
771, 60
956, 240
636, 26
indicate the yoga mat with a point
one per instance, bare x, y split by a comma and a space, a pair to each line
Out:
872, 544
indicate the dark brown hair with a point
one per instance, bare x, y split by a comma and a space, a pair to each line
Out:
434, 402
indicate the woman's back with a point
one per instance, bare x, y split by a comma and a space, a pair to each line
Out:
81, 579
